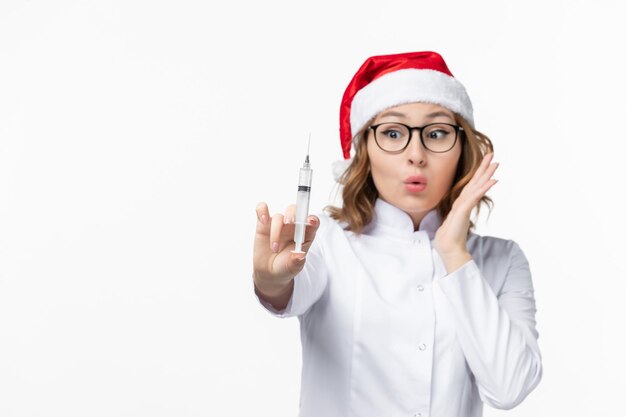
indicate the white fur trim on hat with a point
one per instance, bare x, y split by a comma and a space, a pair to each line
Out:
339, 167
409, 86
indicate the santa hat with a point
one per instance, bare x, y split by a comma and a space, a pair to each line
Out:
385, 81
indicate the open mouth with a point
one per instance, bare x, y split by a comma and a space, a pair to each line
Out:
415, 184
415, 180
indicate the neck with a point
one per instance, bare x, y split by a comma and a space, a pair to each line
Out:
417, 219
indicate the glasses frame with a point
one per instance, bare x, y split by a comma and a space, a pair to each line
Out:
457, 129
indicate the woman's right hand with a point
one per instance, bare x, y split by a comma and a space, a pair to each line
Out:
275, 264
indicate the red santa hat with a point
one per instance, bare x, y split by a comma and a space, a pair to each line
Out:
385, 81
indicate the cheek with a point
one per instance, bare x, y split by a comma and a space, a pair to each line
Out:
449, 170
443, 170
381, 166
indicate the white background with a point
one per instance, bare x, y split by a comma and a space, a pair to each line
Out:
136, 138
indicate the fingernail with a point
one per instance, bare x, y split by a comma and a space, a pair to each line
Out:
263, 219
275, 247
300, 260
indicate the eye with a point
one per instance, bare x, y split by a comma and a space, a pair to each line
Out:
438, 132
392, 132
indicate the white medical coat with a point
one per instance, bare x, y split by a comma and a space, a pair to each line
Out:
387, 332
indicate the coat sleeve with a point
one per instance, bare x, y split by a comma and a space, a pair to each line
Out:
497, 333
309, 284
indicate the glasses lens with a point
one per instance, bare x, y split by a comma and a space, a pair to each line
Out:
392, 137
439, 137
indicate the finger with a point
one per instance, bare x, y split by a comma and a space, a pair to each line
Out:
275, 230
263, 219
312, 224
487, 174
481, 189
491, 170
480, 183
487, 186
290, 214
482, 167
486, 160
295, 263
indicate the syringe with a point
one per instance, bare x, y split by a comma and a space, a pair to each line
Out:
302, 201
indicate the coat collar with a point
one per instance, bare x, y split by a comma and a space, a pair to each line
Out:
389, 219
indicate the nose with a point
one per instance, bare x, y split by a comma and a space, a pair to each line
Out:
415, 151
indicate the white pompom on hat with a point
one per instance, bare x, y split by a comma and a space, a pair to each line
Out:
385, 81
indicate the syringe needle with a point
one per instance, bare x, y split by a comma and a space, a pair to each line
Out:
308, 146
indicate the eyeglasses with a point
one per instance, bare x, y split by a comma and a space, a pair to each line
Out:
395, 137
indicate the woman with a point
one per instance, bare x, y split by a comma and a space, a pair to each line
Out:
403, 311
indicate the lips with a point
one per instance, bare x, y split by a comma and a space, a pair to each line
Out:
415, 184
416, 179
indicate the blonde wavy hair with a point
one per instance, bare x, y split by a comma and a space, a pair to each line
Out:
359, 193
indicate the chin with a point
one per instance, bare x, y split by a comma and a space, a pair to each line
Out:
414, 205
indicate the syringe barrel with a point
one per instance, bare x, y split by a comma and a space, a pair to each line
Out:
305, 177
302, 204
302, 212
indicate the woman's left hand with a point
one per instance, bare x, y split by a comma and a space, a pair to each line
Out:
451, 237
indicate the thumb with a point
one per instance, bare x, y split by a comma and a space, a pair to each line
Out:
295, 263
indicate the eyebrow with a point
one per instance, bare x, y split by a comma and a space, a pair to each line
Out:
438, 114
428, 116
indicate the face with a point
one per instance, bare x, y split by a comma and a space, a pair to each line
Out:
416, 179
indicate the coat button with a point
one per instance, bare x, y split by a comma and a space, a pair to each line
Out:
420, 288
422, 347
